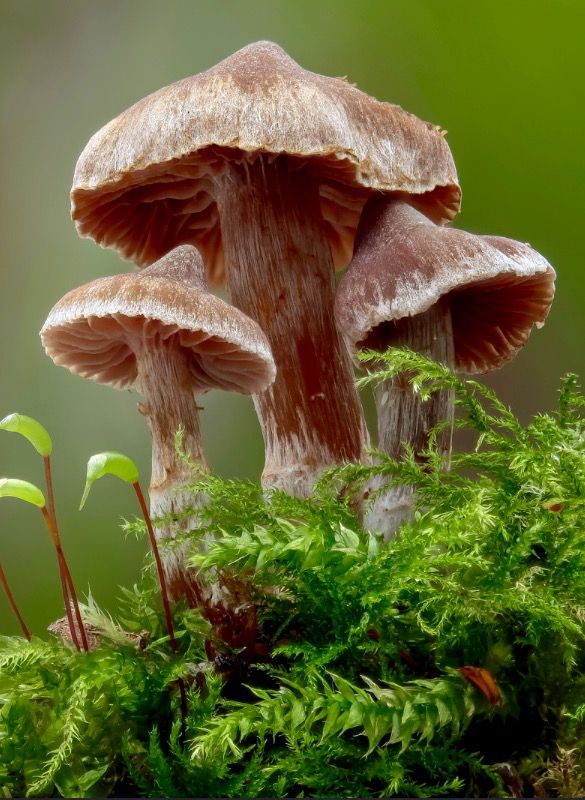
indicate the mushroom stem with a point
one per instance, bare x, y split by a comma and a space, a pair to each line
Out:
165, 382
403, 418
280, 272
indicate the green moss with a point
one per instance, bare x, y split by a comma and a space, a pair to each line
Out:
356, 689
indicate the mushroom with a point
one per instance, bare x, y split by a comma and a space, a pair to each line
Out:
265, 167
162, 332
467, 301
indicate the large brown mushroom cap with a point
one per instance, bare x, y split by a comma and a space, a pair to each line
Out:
97, 330
144, 182
403, 263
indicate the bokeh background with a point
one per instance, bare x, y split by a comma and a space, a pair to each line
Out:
504, 78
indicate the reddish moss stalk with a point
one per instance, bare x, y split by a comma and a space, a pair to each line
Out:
63, 575
12, 601
165, 600
159, 567
67, 583
49, 485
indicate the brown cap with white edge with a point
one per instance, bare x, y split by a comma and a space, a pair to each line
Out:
403, 264
145, 182
100, 330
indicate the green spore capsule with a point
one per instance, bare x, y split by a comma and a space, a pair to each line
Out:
32, 430
22, 490
109, 463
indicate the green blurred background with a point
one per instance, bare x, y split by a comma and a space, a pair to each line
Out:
504, 78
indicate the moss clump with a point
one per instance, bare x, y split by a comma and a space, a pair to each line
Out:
450, 661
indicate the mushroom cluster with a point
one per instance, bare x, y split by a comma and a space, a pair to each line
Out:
268, 178
265, 167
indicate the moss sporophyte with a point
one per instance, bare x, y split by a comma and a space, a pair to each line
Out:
122, 467
413, 611
38, 436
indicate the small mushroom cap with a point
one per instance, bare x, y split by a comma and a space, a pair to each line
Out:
97, 330
144, 182
404, 263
